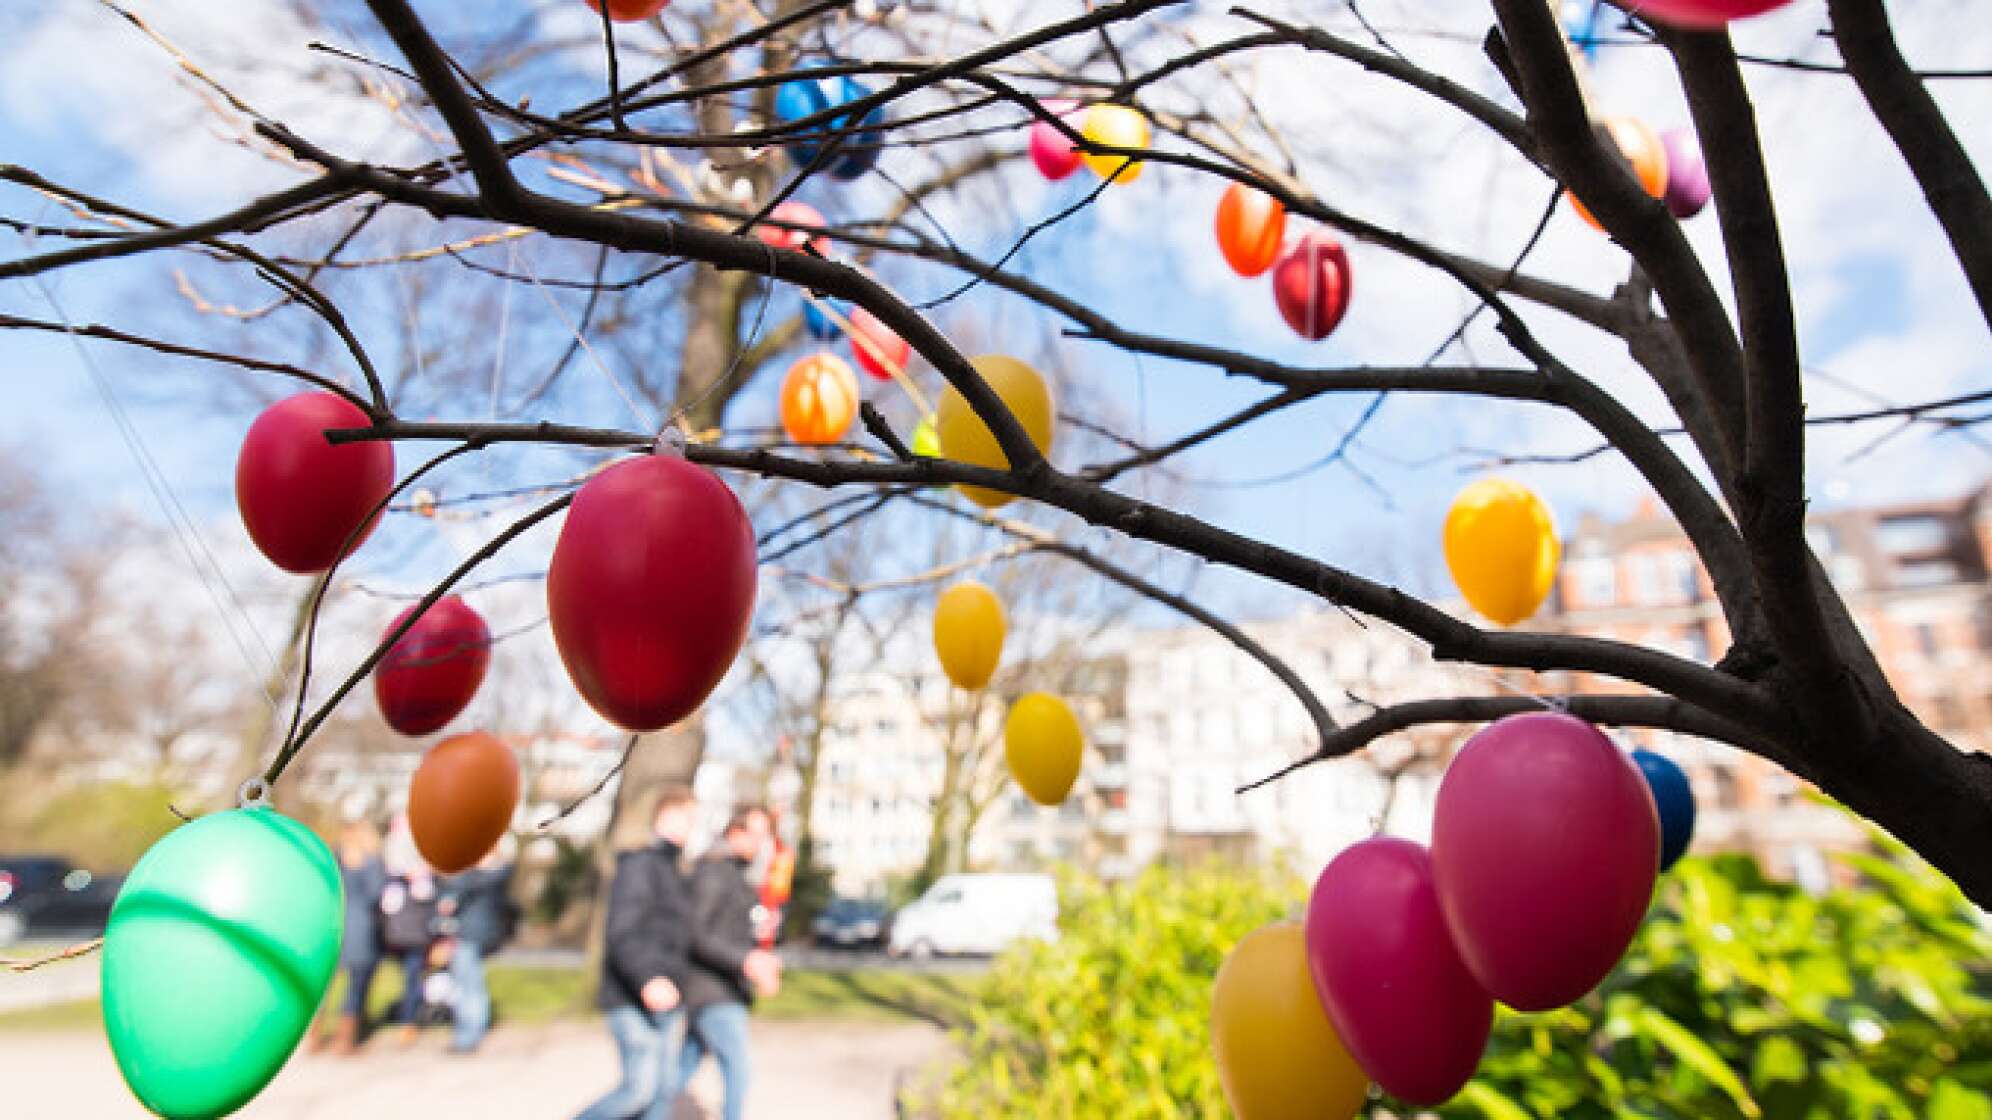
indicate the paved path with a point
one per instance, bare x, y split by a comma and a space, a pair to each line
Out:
838, 1071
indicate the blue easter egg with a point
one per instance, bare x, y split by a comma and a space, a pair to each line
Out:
818, 322
1674, 799
806, 97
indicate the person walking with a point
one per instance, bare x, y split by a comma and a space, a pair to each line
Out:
643, 963
408, 919
365, 876
728, 967
473, 908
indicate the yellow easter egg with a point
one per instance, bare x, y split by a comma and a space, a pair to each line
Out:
1278, 1056
1121, 127
965, 438
1042, 743
968, 633
1502, 549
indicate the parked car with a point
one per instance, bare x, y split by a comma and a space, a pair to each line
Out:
850, 922
50, 895
977, 914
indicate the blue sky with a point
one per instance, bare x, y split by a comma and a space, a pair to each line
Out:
1884, 315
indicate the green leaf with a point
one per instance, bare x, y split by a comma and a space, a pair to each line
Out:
1951, 1101
1491, 1103
1778, 1059
1696, 1055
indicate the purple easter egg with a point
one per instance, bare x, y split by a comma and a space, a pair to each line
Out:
1389, 976
1687, 175
1545, 848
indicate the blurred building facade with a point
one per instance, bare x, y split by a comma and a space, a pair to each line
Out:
1914, 577
1175, 722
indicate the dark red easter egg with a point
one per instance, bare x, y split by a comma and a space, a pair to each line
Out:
1312, 284
651, 589
301, 497
432, 673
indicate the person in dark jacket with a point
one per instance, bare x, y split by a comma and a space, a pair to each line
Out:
728, 968
473, 906
643, 963
365, 876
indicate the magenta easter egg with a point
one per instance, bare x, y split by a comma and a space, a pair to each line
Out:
1051, 150
1311, 284
1687, 175
1698, 15
1389, 976
1545, 848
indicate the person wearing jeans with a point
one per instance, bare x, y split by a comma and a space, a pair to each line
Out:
728, 968
643, 964
473, 906
721, 1030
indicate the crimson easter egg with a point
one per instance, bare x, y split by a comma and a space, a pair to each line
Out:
301, 497
1545, 848
433, 671
879, 351
1698, 15
1385, 967
1054, 154
1312, 284
651, 589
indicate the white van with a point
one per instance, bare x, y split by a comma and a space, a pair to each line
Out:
976, 914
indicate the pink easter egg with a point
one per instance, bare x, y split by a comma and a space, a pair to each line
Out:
1389, 976
1545, 848
1051, 150
1698, 15
1687, 175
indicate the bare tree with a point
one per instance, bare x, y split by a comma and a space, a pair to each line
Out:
1800, 686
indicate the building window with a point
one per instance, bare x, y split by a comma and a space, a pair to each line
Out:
1926, 639
1926, 573
1920, 533
1596, 581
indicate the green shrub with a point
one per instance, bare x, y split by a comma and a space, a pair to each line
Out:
1112, 1020
1741, 998
1746, 998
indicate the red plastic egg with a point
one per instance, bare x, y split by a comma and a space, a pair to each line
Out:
1054, 154
461, 800
1699, 15
798, 213
629, 11
433, 671
302, 497
1312, 284
651, 589
1251, 226
1389, 976
1545, 848
878, 350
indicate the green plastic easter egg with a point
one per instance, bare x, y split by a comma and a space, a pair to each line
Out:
218, 951
926, 439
